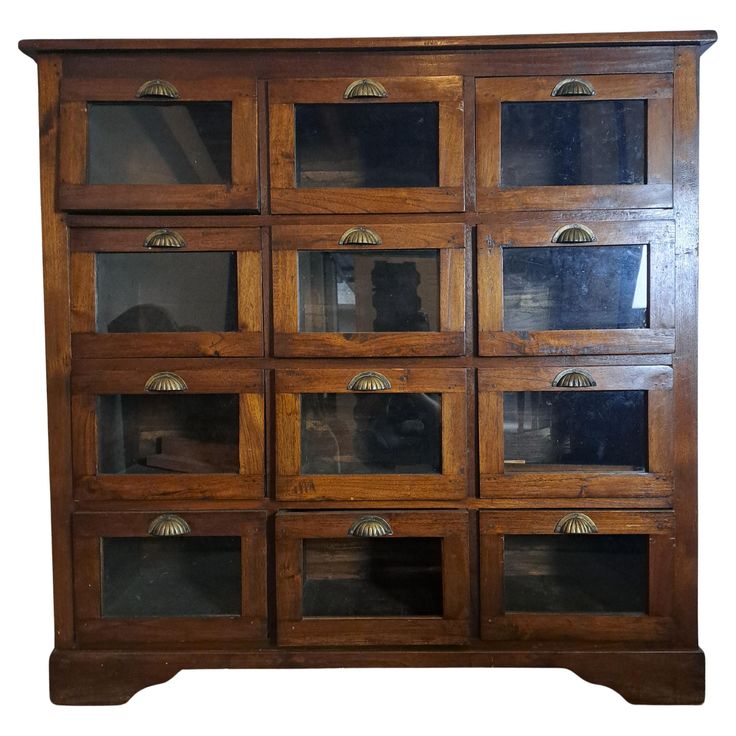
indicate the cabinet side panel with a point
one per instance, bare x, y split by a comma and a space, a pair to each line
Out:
685, 358
58, 350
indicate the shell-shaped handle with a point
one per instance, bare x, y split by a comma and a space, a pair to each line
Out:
165, 382
576, 523
573, 87
574, 233
369, 381
164, 239
169, 525
158, 88
370, 526
364, 88
573, 378
360, 235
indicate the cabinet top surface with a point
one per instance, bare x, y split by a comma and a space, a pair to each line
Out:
701, 38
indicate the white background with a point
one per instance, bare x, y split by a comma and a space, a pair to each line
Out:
430, 701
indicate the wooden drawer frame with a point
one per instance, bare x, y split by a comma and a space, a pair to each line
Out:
247, 340
240, 194
449, 484
294, 629
287, 198
658, 338
586, 488
92, 378
492, 92
93, 630
450, 239
656, 625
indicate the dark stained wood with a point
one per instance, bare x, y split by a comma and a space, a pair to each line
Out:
497, 624
295, 629
448, 196
471, 360
95, 631
704, 38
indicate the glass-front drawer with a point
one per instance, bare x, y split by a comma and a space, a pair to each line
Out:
159, 577
371, 290
550, 434
180, 430
598, 575
343, 434
378, 577
388, 144
593, 141
576, 288
146, 143
166, 292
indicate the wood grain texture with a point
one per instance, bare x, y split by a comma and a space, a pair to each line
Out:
97, 632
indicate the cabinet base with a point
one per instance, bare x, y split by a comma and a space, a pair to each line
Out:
657, 677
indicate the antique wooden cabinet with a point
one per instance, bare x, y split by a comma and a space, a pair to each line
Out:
372, 352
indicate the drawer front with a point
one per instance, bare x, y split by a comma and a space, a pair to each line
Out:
552, 434
377, 577
349, 434
175, 429
376, 289
152, 578
137, 141
576, 288
598, 142
388, 144
561, 575
166, 292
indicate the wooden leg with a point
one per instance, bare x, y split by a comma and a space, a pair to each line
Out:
102, 678
654, 678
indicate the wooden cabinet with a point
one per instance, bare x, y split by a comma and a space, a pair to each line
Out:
372, 352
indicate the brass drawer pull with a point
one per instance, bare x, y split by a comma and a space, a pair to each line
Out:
164, 239
364, 88
573, 87
169, 525
575, 233
573, 378
158, 88
576, 523
165, 382
369, 381
359, 236
371, 526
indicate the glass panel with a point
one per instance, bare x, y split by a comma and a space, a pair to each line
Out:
349, 434
386, 291
372, 577
575, 428
577, 573
185, 576
367, 145
168, 434
167, 292
575, 288
159, 143
568, 143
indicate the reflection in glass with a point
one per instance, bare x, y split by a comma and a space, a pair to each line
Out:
372, 577
577, 573
568, 428
575, 287
166, 292
193, 433
570, 143
367, 145
184, 576
159, 143
386, 291
351, 434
